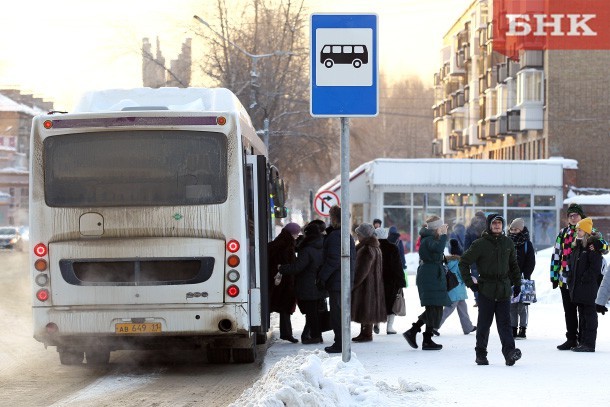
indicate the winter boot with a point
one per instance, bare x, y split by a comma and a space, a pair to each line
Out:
513, 356
390, 329
481, 358
428, 343
521, 334
514, 331
567, 345
366, 333
376, 328
410, 334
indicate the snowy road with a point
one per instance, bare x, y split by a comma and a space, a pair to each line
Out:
31, 375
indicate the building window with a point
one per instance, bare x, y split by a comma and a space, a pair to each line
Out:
544, 200
396, 198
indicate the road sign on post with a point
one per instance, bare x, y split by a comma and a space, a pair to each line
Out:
344, 83
344, 65
324, 201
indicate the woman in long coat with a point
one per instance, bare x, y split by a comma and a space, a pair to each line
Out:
305, 272
431, 283
393, 275
583, 282
368, 297
282, 298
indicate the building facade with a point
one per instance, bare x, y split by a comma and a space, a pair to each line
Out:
16, 113
155, 73
545, 104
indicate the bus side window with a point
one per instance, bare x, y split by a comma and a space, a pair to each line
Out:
358, 49
348, 49
336, 49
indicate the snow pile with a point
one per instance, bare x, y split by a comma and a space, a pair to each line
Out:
316, 379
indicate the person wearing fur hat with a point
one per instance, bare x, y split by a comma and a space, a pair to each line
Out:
583, 281
368, 296
457, 295
496, 260
282, 296
393, 276
526, 258
431, 283
560, 270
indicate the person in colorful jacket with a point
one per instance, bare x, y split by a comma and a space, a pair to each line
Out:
560, 271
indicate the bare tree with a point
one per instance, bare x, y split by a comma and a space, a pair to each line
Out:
275, 86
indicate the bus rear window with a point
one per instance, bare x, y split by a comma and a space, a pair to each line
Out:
135, 168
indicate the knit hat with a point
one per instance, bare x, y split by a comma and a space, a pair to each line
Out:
576, 208
382, 233
434, 222
518, 223
585, 225
455, 248
293, 228
365, 230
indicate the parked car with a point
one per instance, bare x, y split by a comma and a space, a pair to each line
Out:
10, 238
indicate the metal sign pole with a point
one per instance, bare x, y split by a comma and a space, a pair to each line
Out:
346, 289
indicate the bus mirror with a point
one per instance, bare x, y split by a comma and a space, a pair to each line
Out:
280, 199
281, 212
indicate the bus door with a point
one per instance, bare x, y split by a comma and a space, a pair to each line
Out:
258, 215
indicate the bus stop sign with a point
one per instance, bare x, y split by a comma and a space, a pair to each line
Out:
344, 66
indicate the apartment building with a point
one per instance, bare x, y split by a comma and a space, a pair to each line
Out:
547, 103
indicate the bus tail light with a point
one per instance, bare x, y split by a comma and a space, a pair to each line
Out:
40, 264
233, 291
52, 328
233, 276
233, 246
40, 250
233, 260
43, 294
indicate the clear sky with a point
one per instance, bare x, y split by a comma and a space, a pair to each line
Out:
57, 49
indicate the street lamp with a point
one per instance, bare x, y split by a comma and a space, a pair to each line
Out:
253, 73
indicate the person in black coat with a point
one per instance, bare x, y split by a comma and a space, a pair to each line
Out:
526, 258
585, 265
282, 298
305, 271
394, 238
393, 276
329, 277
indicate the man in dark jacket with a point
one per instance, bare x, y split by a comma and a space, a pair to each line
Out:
329, 277
494, 255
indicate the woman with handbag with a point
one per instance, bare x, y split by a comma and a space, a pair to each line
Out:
458, 294
431, 283
393, 276
305, 272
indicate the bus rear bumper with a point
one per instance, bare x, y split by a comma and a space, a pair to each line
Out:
145, 327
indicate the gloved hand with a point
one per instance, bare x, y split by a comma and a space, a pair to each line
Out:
474, 288
555, 283
601, 309
516, 290
320, 284
597, 245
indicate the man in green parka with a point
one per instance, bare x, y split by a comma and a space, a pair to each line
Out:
496, 260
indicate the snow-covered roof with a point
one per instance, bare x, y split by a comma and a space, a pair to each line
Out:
460, 172
9, 105
603, 199
177, 99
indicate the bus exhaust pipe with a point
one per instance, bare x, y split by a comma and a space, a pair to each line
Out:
225, 325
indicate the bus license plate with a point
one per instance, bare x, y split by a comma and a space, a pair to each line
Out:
129, 328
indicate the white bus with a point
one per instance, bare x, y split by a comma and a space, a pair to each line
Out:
150, 214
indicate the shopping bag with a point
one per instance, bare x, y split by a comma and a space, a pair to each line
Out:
528, 291
452, 280
399, 308
324, 317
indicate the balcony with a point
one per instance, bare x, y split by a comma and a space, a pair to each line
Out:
531, 59
458, 99
490, 128
481, 128
501, 72
514, 121
512, 68
492, 78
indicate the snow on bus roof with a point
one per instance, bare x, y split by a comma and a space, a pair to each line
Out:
173, 99
603, 199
